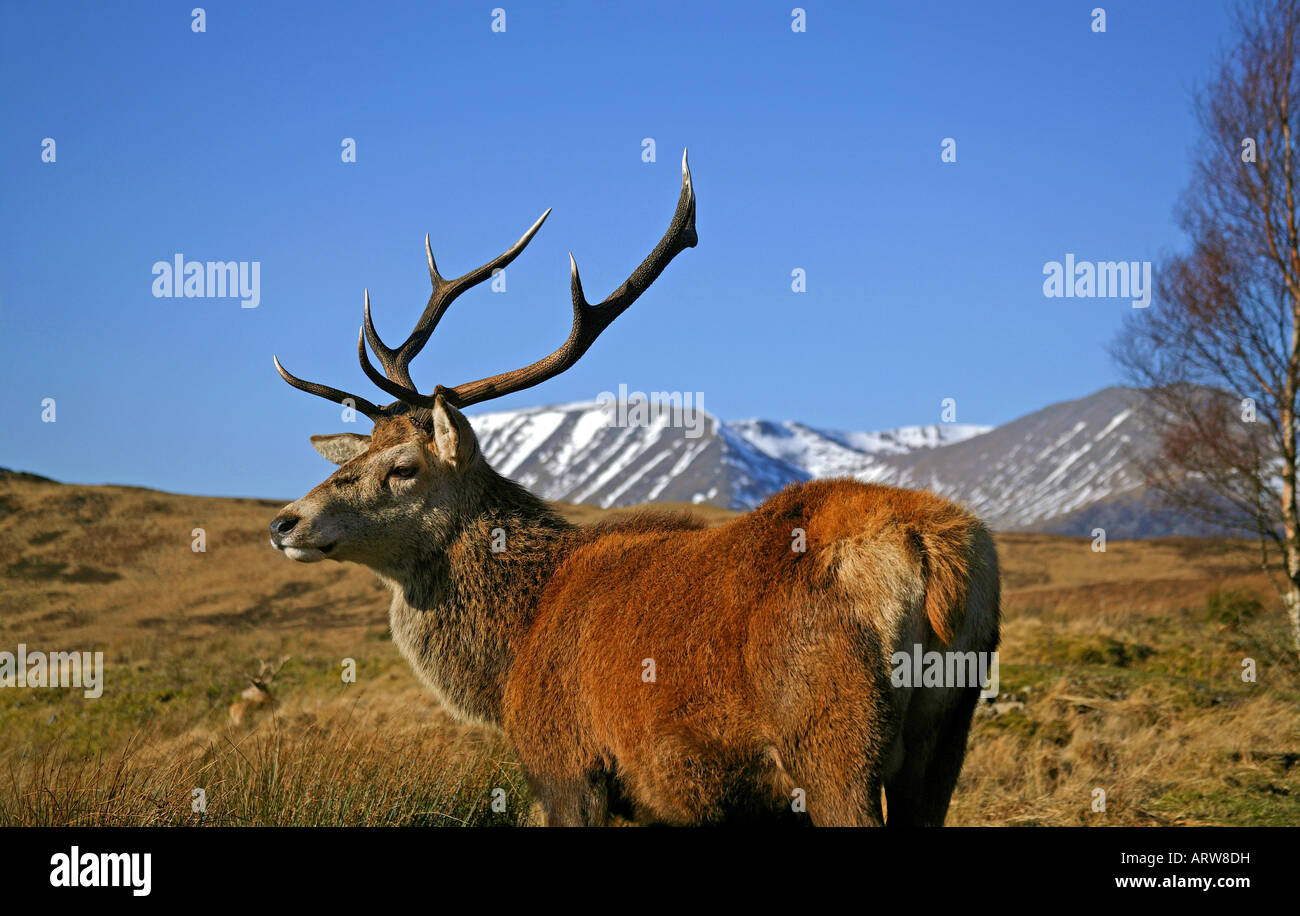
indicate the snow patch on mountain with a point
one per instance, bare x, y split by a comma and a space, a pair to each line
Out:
1050, 464
833, 453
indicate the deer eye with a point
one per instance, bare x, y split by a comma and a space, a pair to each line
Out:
403, 471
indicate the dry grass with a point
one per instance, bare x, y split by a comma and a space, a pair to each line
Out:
318, 771
1128, 674
1129, 668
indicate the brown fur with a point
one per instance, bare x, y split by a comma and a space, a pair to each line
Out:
771, 665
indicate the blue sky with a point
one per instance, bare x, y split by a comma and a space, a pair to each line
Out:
818, 150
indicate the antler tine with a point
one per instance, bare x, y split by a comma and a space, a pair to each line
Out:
396, 362
588, 320
397, 390
332, 394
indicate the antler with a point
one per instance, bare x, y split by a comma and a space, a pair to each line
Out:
588, 323
397, 362
589, 320
336, 395
266, 672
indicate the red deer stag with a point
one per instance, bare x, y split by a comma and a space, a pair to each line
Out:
771, 694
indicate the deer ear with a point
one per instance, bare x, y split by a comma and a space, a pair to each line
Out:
454, 441
341, 447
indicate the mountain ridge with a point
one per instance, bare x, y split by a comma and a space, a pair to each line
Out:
1068, 468
1053, 469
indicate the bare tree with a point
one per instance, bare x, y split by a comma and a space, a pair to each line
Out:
1218, 353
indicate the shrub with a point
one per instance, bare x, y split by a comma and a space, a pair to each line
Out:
1232, 606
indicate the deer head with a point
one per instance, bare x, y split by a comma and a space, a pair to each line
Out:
261, 682
420, 470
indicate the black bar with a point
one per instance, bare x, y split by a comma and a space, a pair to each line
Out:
982, 865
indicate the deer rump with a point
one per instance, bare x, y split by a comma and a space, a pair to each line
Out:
681, 674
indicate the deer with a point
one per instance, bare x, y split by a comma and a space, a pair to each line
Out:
257, 694
651, 668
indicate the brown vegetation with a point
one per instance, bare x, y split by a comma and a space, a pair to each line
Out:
1119, 671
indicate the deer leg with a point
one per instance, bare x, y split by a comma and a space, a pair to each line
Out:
835, 801
904, 794
905, 789
838, 767
946, 760
919, 793
574, 803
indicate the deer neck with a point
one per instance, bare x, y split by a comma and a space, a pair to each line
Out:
460, 611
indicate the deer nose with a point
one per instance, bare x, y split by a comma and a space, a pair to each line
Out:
283, 524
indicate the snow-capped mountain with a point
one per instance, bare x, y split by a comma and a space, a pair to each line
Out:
829, 453
1034, 472
571, 452
1068, 467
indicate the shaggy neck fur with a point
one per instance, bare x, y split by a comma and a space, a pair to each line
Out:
459, 607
